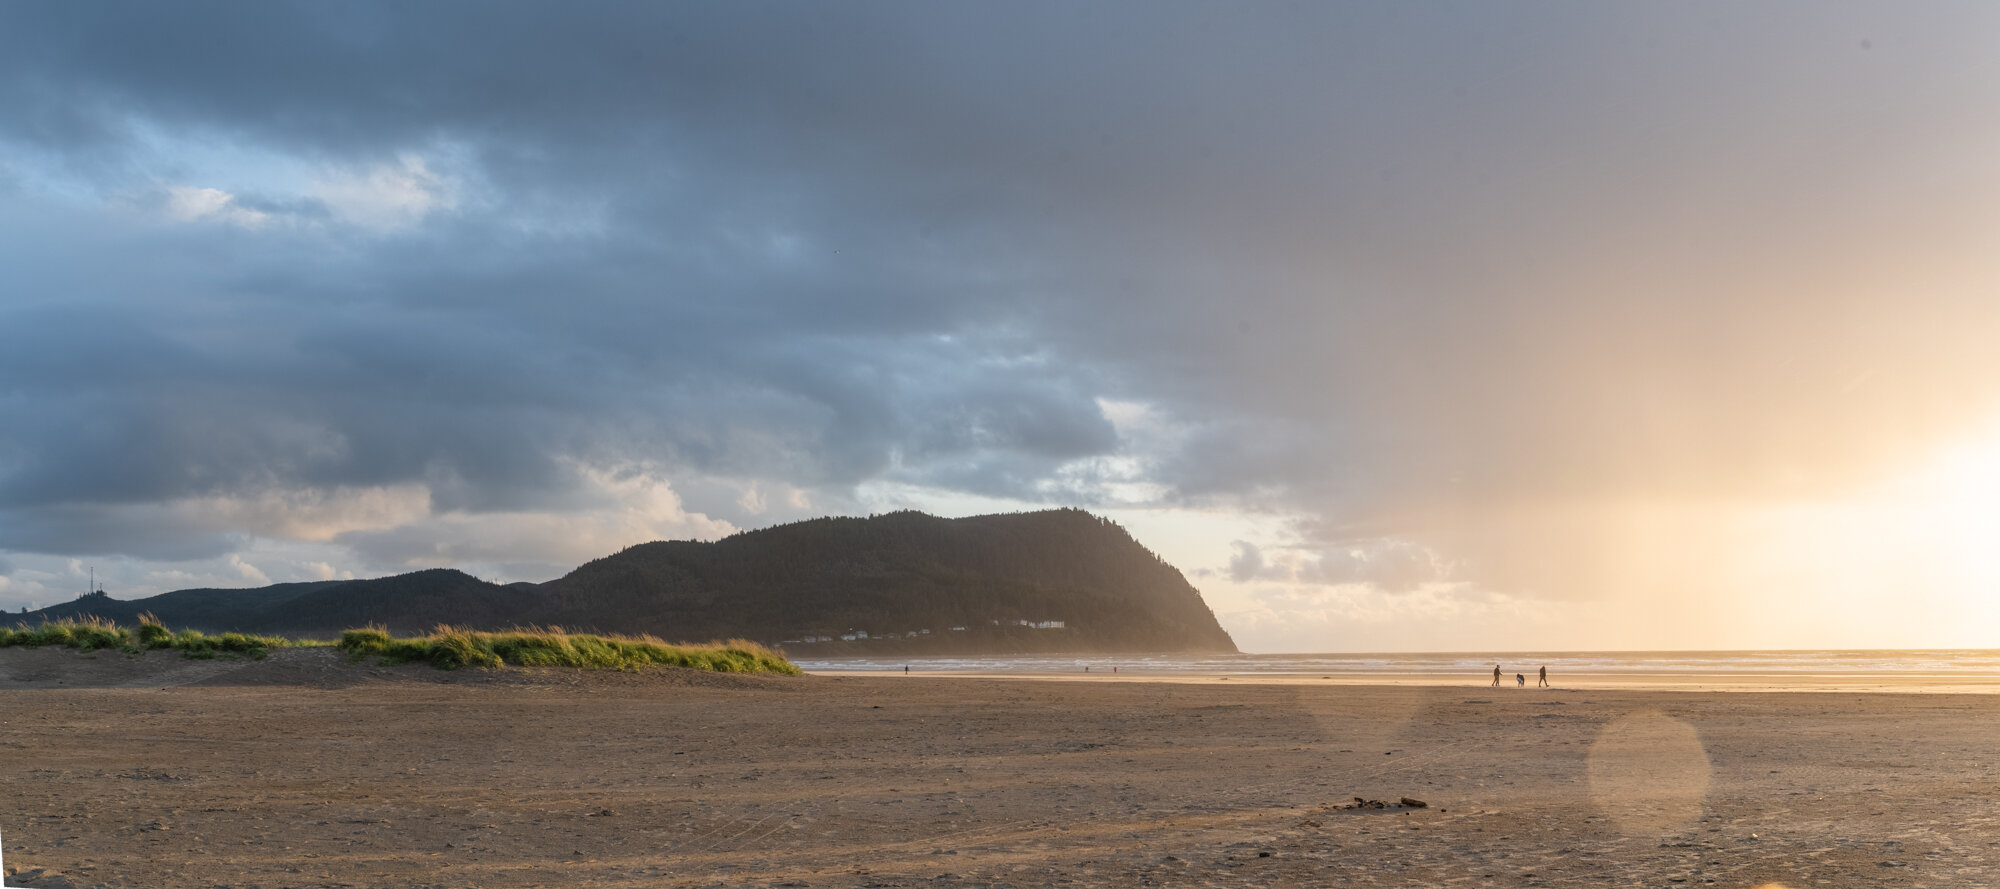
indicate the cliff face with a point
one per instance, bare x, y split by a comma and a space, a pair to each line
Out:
1061, 580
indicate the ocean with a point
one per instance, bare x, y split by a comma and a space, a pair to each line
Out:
1901, 669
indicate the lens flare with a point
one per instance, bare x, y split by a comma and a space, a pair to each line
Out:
1649, 773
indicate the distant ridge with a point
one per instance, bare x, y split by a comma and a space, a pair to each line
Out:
1058, 580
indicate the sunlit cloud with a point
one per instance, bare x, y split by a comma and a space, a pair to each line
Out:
191, 204
311, 514
386, 196
620, 506
1386, 564
248, 574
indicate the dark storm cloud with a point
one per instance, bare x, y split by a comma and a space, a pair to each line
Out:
1397, 269
87, 529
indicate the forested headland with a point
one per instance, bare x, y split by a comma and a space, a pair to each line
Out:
904, 583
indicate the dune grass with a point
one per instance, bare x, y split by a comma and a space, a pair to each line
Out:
451, 648
447, 648
94, 634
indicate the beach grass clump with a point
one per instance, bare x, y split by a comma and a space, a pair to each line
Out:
376, 641
199, 645
94, 634
452, 648
87, 634
152, 634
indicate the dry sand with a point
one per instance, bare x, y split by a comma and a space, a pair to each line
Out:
306, 771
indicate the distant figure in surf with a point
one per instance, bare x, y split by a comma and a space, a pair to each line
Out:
1544, 681
1496, 675
1520, 681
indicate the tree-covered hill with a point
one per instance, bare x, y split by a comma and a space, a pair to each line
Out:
904, 573
206, 608
405, 603
1060, 580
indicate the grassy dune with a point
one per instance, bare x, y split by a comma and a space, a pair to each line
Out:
93, 634
446, 647
451, 648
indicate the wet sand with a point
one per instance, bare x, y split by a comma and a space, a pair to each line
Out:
1799, 681
305, 771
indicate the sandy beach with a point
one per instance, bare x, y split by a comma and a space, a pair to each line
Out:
305, 771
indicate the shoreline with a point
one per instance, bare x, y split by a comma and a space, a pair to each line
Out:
1802, 683
53, 667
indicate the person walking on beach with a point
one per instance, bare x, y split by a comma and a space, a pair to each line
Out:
1496, 675
1520, 681
1543, 682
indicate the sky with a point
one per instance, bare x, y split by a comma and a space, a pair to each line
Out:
1394, 326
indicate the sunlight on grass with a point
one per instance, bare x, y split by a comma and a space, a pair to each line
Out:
446, 647
451, 648
94, 634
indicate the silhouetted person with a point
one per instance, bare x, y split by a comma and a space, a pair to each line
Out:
1544, 681
1520, 681
1496, 675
